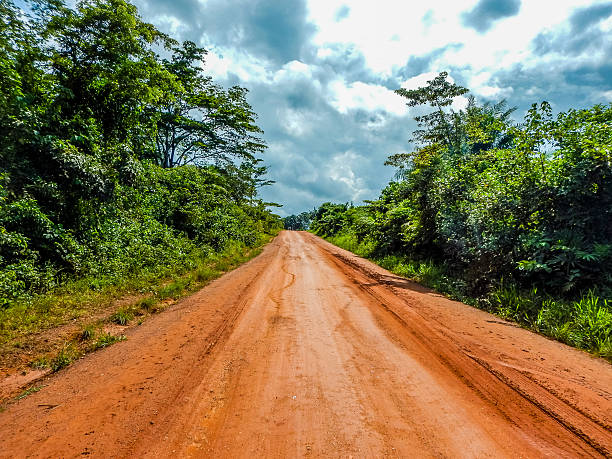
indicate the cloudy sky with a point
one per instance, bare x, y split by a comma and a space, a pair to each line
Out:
321, 73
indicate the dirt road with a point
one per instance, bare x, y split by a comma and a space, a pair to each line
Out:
308, 350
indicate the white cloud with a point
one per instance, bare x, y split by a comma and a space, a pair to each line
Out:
370, 97
421, 80
293, 70
341, 170
388, 32
294, 122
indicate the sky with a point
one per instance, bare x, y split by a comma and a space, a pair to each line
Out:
321, 73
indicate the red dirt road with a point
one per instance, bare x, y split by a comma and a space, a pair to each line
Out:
308, 350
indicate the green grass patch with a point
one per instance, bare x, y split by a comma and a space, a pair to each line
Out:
83, 297
122, 316
585, 323
146, 304
28, 391
174, 289
67, 354
88, 333
40, 363
205, 274
106, 339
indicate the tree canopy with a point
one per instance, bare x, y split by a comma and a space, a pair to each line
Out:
495, 208
116, 160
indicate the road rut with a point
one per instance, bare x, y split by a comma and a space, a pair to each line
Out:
310, 351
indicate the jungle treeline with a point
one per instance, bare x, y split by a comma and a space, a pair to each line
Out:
119, 156
513, 217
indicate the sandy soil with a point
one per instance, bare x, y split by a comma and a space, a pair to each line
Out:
308, 350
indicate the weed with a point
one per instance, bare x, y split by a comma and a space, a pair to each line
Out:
173, 289
224, 264
106, 339
64, 357
29, 391
40, 363
146, 304
122, 316
88, 333
205, 273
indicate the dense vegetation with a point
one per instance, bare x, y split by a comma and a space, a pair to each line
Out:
120, 157
516, 218
299, 222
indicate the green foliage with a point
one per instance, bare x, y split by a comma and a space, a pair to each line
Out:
329, 219
40, 363
88, 333
205, 273
300, 222
64, 357
93, 123
173, 289
29, 391
107, 339
515, 216
225, 126
146, 304
122, 316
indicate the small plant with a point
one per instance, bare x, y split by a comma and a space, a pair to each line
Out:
593, 322
122, 316
225, 264
106, 339
147, 304
205, 273
88, 333
40, 363
173, 289
65, 357
29, 391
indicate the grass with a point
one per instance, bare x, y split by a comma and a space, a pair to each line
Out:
64, 357
29, 391
205, 274
88, 333
174, 289
146, 304
585, 323
77, 300
40, 363
122, 316
105, 340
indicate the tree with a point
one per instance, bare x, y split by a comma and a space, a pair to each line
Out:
436, 127
299, 222
84, 101
107, 75
200, 122
329, 219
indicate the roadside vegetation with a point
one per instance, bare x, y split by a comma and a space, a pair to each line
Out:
299, 222
99, 320
125, 169
513, 218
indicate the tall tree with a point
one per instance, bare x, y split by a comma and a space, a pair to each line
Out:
436, 127
107, 74
201, 123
